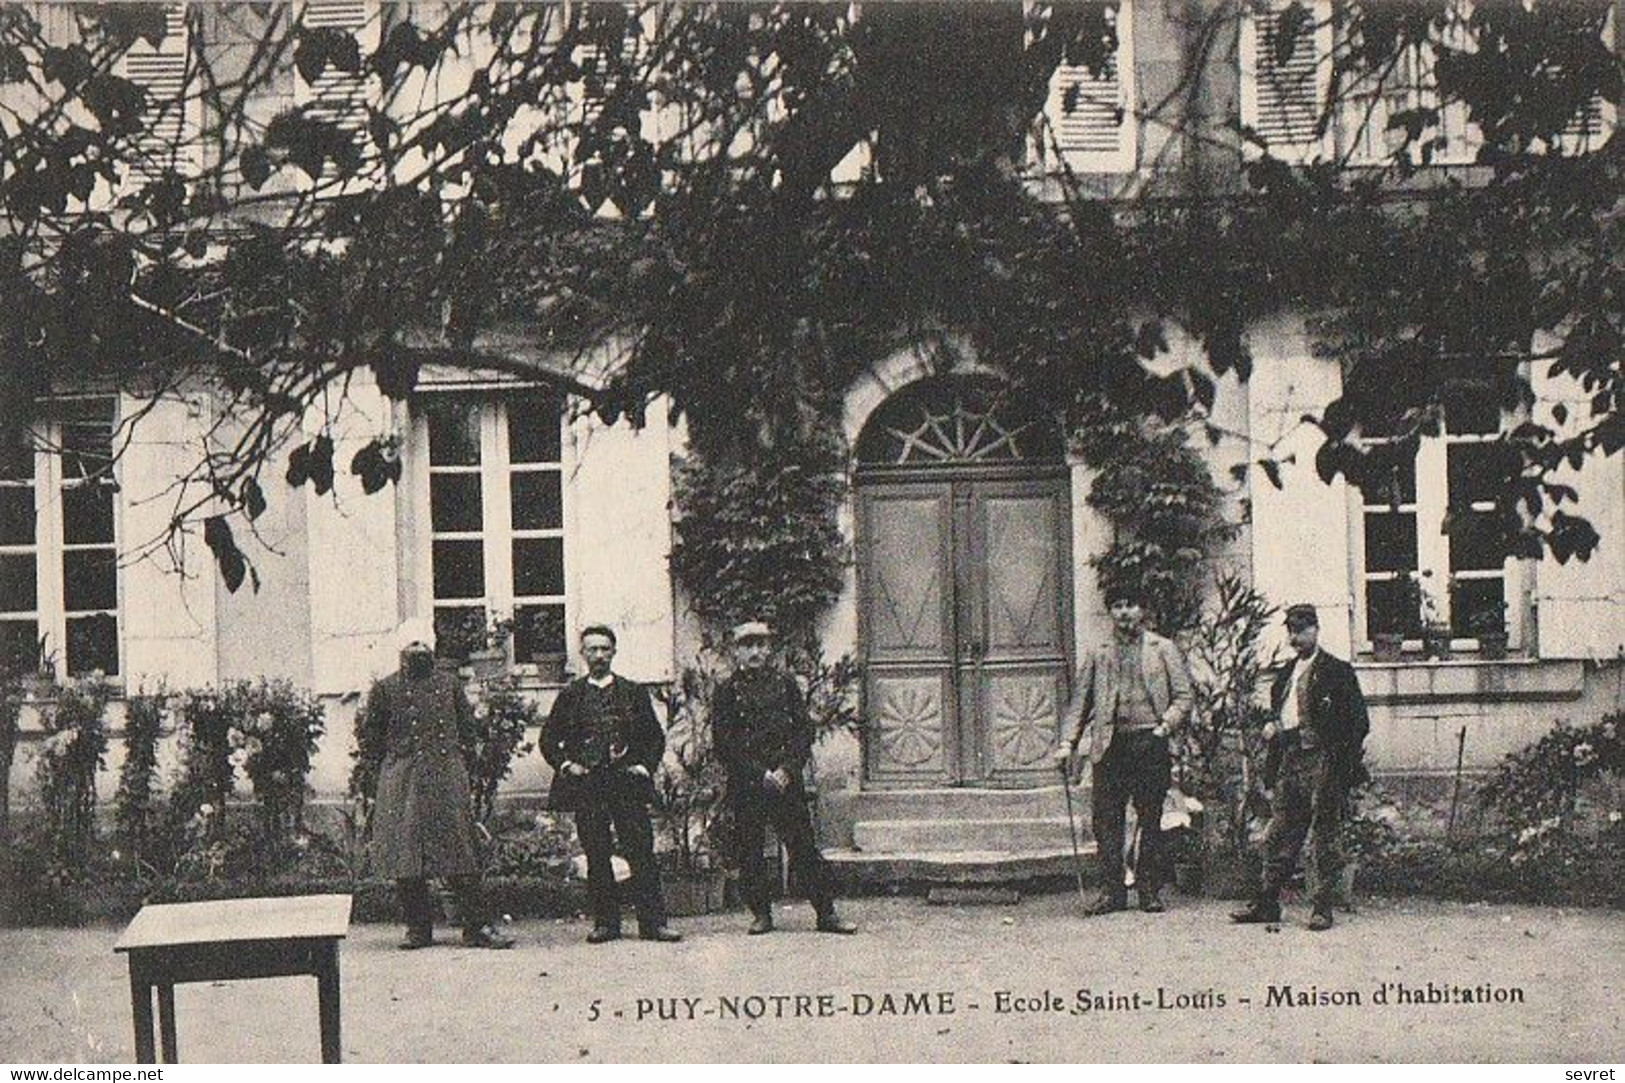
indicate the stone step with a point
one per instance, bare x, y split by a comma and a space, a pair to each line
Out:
964, 804
976, 836
1052, 869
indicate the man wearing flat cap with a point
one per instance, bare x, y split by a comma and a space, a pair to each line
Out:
1129, 698
416, 729
764, 736
604, 744
1316, 743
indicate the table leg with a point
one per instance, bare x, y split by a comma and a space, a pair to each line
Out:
141, 1012
327, 996
166, 1021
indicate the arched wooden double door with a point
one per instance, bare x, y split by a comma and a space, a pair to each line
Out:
965, 588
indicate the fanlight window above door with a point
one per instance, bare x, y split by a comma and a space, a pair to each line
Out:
947, 420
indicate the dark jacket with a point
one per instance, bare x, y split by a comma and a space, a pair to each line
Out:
1334, 719
564, 741
759, 723
422, 823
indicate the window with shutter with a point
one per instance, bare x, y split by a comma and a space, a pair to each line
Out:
1286, 61
1593, 123
1371, 97
340, 96
1089, 115
168, 138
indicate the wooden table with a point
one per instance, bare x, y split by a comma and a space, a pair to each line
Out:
223, 941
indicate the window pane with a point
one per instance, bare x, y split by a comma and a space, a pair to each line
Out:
19, 642
16, 515
536, 500
454, 502
1479, 472
17, 458
19, 588
538, 566
1477, 542
87, 437
1396, 485
87, 514
538, 631
90, 579
1477, 606
533, 429
92, 644
1387, 610
1390, 541
459, 569
454, 434
458, 630
1472, 415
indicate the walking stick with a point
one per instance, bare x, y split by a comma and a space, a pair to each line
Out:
1072, 827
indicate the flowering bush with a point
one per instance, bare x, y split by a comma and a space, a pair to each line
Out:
1538, 789
272, 734
66, 763
134, 806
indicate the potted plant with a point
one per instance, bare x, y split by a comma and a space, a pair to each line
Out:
475, 639
539, 640
691, 805
1489, 627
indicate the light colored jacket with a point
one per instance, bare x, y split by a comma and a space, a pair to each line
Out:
1094, 699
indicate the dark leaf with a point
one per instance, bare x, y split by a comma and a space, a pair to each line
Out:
1272, 470
217, 536
253, 499
256, 167
376, 465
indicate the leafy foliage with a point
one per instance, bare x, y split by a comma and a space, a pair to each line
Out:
1164, 506
66, 764
504, 716
1538, 788
759, 540
136, 805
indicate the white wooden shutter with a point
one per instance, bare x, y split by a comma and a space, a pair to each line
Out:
1581, 605
167, 139
340, 96
1092, 115
168, 610
1285, 103
1300, 531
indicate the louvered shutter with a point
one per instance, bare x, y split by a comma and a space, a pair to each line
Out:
340, 96
1284, 100
1091, 114
166, 140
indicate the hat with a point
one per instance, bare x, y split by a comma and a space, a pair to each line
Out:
414, 630
1302, 615
751, 629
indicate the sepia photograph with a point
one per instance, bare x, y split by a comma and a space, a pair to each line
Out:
954, 531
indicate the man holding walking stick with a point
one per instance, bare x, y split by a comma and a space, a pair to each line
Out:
1130, 697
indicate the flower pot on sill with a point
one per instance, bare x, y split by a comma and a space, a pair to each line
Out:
1492, 646
488, 663
1387, 646
1436, 643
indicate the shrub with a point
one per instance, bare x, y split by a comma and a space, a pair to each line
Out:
66, 764
135, 811
272, 731
504, 715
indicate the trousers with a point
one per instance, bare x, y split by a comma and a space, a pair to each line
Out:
755, 809
1136, 769
1306, 804
620, 818
413, 893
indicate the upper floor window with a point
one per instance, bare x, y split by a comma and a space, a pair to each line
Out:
1430, 544
59, 569
168, 139
1089, 116
1319, 80
496, 521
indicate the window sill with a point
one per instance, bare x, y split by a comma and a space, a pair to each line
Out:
1468, 679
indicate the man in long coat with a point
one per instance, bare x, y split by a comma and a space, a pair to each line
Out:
1130, 697
604, 744
762, 733
416, 726
1315, 757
